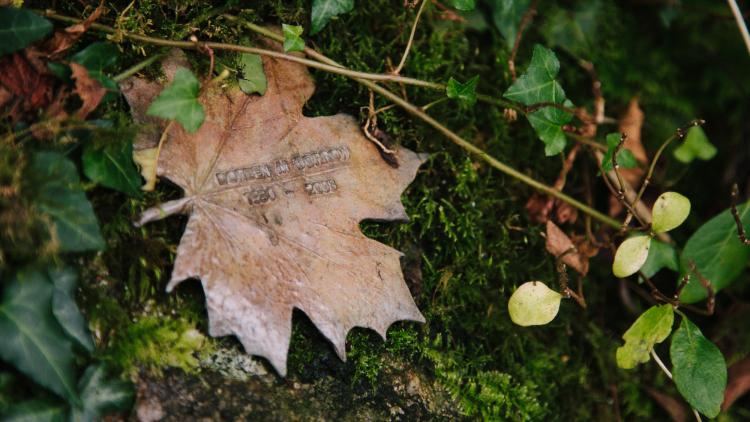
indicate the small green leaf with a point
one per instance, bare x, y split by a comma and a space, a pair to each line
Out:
651, 328
32, 340
465, 93
252, 78
111, 165
179, 101
631, 255
463, 5
66, 310
507, 16
669, 211
100, 395
324, 10
533, 303
717, 253
695, 145
292, 40
97, 58
699, 369
19, 28
538, 85
660, 255
625, 158
52, 180
37, 411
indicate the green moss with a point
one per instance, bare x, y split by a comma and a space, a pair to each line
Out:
154, 343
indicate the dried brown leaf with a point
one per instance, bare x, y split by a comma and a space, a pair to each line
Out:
274, 201
63, 39
559, 243
89, 90
738, 382
30, 90
676, 408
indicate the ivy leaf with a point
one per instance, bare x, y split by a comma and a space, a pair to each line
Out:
97, 58
538, 85
625, 158
55, 190
651, 328
717, 253
660, 255
575, 30
324, 10
37, 411
111, 165
631, 255
507, 16
699, 369
179, 101
19, 28
292, 40
464, 93
101, 395
695, 145
463, 5
669, 211
533, 303
66, 310
252, 78
32, 340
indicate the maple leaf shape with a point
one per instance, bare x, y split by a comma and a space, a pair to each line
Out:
275, 200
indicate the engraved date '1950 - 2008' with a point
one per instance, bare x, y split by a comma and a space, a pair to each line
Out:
287, 175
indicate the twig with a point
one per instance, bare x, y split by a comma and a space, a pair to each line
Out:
740, 228
678, 134
711, 300
740, 22
562, 272
528, 16
411, 38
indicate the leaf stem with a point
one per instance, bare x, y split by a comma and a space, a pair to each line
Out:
137, 67
411, 37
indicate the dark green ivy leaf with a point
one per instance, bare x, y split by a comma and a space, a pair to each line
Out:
66, 310
625, 158
324, 10
717, 252
538, 85
101, 395
179, 101
660, 255
37, 411
32, 339
465, 93
55, 189
292, 38
111, 165
19, 28
699, 369
574, 31
507, 15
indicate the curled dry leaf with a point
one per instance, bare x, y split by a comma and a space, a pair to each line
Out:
27, 85
559, 243
89, 90
63, 39
631, 124
274, 200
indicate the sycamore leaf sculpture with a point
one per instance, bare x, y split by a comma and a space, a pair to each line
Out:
274, 200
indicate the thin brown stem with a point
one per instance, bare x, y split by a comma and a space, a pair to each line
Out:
737, 220
528, 16
411, 37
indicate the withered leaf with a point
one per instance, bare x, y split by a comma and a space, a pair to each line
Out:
63, 39
274, 200
90, 90
559, 243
